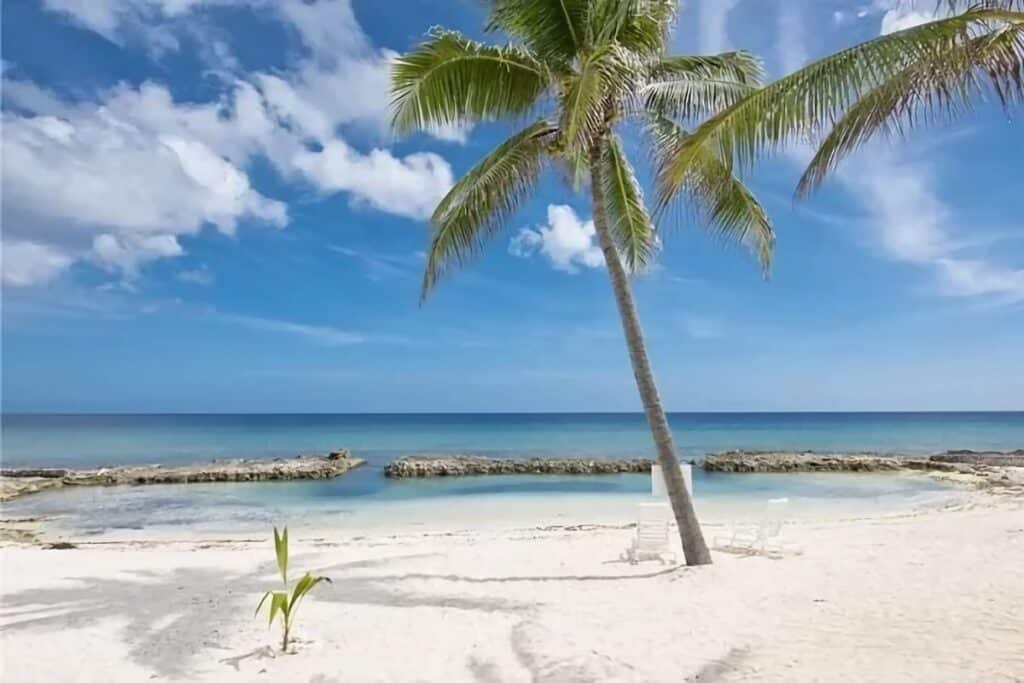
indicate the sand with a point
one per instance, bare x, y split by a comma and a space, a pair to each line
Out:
933, 595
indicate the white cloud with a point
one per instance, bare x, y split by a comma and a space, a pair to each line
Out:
914, 226
451, 132
30, 263
900, 19
903, 14
972, 277
712, 25
127, 253
96, 179
103, 176
411, 186
567, 242
106, 17
99, 15
340, 58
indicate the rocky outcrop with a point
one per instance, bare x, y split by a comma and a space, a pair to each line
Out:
994, 458
17, 482
11, 487
784, 461
410, 467
969, 462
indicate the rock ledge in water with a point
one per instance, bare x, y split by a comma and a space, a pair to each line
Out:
17, 482
415, 466
810, 461
783, 461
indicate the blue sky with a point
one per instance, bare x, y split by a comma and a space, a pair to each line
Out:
204, 211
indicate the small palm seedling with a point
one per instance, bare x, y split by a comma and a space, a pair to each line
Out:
280, 601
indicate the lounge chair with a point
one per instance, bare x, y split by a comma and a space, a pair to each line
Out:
764, 537
653, 531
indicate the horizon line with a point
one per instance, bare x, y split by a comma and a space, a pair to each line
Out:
506, 412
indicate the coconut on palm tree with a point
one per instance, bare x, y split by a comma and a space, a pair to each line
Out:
925, 73
575, 72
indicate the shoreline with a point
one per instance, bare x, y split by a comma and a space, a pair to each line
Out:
509, 512
181, 609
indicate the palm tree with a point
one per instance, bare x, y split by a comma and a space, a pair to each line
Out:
575, 71
888, 85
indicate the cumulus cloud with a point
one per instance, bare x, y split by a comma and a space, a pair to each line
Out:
411, 186
111, 184
126, 253
98, 169
27, 263
903, 14
119, 179
566, 242
338, 59
107, 17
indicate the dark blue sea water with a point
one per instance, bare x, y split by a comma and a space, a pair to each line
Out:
89, 440
93, 440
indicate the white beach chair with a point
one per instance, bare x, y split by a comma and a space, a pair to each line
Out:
762, 538
653, 534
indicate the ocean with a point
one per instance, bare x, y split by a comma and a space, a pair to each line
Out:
95, 440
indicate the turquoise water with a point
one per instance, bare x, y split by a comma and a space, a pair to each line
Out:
363, 501
92, 440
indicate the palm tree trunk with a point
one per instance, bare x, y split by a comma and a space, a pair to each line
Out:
694, 548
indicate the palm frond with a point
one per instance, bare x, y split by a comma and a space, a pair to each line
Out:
723, 203
738, 66
629, 223
484, 198
939, 87
691, 88
807, 101
638, 25
451, 79
605, 77
960, 5
552, 29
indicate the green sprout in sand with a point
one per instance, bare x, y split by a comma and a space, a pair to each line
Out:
281, 602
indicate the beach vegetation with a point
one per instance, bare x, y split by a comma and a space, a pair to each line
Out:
285, 603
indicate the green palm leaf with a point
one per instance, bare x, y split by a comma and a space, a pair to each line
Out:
484, 198
808, 100
739, 67
281, 553
723, 202
552, 29
691, 88
637, 25
629, 222
606, 76
939, 87
451, 79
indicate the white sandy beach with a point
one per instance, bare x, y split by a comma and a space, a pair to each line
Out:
934, 595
